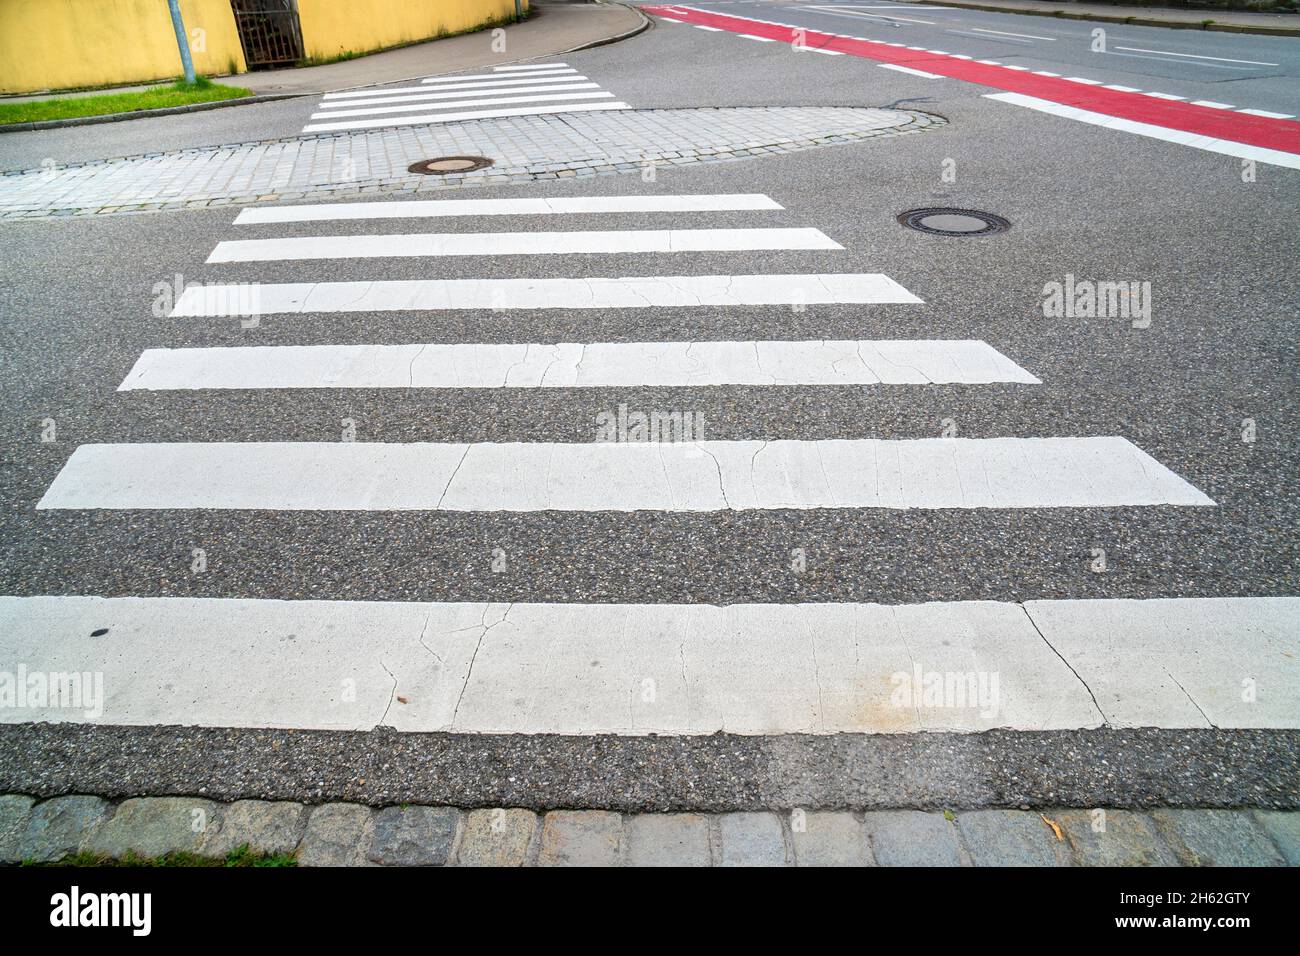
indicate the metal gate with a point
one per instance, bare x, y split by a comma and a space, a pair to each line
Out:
269, 32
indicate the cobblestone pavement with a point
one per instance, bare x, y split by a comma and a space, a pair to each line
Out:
523, 149
346, 834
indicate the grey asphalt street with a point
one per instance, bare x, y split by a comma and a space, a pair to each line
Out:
76, 311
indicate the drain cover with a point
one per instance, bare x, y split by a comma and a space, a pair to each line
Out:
442, 165
944, 221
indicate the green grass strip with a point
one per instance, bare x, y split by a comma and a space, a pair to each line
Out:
179, 93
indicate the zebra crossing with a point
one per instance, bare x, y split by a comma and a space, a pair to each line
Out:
527, 667
524, 90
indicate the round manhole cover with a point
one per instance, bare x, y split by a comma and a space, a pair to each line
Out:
944, 221
442, 165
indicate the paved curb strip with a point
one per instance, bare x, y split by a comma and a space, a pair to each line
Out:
341, 834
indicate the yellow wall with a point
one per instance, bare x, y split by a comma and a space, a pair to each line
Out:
58, 44
62, 44
332, 27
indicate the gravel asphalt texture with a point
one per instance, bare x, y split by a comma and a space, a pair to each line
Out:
75, 313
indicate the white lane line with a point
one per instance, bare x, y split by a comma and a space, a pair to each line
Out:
484, 83
528, 66
467, 115
1084, 81
632, 292
1045, 73
750, 36
495, 100
700, 26
976, 36
668, 19
743, 668
634, 474
595, 242
561, 205
1023, 36
1165, 96
910, 71
1193, 56
433, 98
576, 365
1121, 89
1261, 154
1268, 115
990, 62
1018, 69
1213, 105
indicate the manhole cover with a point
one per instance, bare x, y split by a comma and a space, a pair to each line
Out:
442, 165
943, 221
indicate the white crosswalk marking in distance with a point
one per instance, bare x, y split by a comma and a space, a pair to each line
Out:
525, 90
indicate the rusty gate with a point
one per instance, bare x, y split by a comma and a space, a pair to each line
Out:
269, 32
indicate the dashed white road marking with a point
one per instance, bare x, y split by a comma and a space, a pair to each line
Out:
1213, 105
560, 205
633, 475
1267, 114
910, 71
434, 100
496, 100
1024, 36
633, 292
1193, 56
593, 242
576, 365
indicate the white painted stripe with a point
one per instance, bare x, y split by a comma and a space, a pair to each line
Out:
1023, 36
741, 668
336, 106
1226, 147
630, 292
1044, 73
576, 365
462, 104
553, 71
527, 66
1084, 81
668, 19
817, 49
909, 71
597, 242
1268, 115
749, 36
990, 62
1018, 69
483, 83
562, 205
629, 476
1165, 96
469, 115
1213, 105
1194, 56
700, 26
1121, 89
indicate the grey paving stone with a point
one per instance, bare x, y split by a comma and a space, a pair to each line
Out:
751, 839
59, 826
263, 826
580, 838
1216, 838
829, 839
913, 838
336, 835
154, 826
413, 836
496, 837
1011, 838
1284, 828
15, 810
1117, 838
668, 839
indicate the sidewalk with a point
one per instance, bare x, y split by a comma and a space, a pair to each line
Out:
1224, 21
349, 834
551, 29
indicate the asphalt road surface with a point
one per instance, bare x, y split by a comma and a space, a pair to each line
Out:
1203, 384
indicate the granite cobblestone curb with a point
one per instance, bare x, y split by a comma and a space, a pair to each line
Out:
348, 834
524, 149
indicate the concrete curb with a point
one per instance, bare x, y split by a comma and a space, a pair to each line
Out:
639, 29
1135, 21
143, 114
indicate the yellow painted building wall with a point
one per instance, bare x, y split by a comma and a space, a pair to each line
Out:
334, 27
64, 44
60, 44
